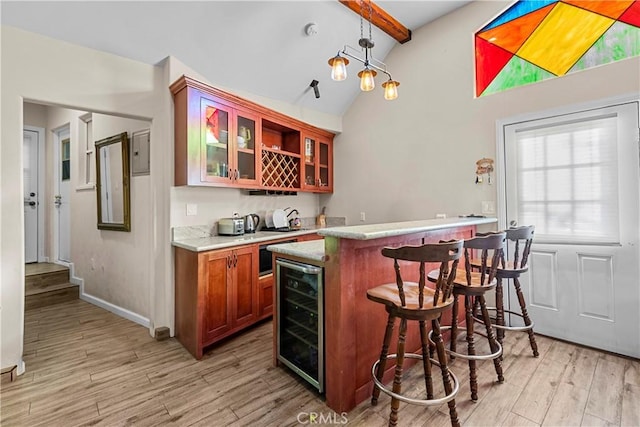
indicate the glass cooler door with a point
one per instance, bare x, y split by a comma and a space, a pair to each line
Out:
300, 339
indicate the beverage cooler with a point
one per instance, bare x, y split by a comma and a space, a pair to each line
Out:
300, 320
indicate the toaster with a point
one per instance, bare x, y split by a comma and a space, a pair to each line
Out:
230, 226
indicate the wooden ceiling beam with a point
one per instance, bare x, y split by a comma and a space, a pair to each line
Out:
380, 18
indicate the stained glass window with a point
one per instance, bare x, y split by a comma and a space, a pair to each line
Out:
534, 40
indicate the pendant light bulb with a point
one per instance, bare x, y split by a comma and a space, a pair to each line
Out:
390, 89
338, 67
367, 82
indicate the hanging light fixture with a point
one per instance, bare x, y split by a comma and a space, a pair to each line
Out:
367, 83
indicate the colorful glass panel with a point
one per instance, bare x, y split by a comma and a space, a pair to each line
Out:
519, 9
489, 60
617, 43
632, 15
553, 38
612, 9
563, 37
511, 35
517, 72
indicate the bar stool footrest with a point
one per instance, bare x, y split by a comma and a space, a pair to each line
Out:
464, 356
422, 402
505, 327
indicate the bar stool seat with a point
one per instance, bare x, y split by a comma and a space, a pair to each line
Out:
388, 295
415, 301
472, 285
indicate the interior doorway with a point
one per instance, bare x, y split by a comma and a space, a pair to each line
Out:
62, 197
33, 162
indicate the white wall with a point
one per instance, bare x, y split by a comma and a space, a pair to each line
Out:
215, 203
35, 115
419, 151
108, 261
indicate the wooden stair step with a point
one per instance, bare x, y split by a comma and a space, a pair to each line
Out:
51, 295
50, 288
46, 279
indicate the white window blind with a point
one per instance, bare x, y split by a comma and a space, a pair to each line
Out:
567, 180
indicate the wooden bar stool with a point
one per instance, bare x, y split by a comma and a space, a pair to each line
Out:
511, 270
473, 285
415, 301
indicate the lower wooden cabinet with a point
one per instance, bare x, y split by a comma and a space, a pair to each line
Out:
219, 299
219, 293
265, 296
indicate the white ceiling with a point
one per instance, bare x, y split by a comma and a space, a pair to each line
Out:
256, 46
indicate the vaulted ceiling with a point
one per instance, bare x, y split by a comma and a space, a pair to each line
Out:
255, 46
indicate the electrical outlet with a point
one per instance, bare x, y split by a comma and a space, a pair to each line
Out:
192, 209
488, 207
363, 217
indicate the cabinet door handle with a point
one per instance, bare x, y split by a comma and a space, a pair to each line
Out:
228, 261
237, 174
235, 260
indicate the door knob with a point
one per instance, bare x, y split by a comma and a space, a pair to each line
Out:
32, 194
32, 203
513, 223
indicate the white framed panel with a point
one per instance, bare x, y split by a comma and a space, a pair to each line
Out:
595, 287
543, 289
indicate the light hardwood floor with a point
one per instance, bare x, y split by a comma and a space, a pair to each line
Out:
86, 366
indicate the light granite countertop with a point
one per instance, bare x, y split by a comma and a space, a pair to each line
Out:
312, 250
390, 229
200, 244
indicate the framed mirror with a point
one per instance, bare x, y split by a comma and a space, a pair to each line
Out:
112, 183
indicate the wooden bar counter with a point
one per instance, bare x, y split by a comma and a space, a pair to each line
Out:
354, 326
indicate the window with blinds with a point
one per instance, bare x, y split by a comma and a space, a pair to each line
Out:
567, 180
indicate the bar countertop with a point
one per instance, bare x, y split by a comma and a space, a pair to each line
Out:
312, 250
391, 229
201, 244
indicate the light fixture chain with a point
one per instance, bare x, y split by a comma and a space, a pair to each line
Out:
361, 19
370, 37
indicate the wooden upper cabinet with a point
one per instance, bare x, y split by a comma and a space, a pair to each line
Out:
224, 140
318, 163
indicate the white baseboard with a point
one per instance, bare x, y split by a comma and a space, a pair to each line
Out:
75, 279
122, 312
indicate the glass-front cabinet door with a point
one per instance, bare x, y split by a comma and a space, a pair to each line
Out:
247, 140
217, 156
325, 168
310, 179
318, 173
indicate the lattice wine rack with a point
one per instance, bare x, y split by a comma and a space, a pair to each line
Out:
279, 170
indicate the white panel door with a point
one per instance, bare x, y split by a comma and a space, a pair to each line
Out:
583, 284
62, 196
31, 195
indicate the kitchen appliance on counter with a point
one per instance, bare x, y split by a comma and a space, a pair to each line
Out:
294, 222
251, 222
231, 226
300, 319
280, 219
